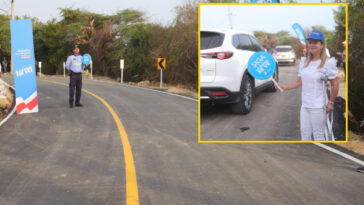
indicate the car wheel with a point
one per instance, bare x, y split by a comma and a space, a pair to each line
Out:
294, 62
272, 88
246, 100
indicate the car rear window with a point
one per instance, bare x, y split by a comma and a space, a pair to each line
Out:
283, 49
211, 40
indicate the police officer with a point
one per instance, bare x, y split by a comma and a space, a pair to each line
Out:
74, 65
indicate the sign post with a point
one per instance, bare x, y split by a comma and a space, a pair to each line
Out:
122, 70
91, 70
64, 69
161, 65
22, 51
40, 68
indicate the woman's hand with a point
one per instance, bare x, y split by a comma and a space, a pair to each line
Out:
281, 86
329, 107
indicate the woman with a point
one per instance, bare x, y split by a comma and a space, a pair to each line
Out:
311, 69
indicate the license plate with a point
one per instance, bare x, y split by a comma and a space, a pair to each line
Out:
283, 56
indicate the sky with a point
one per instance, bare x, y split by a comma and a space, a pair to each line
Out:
267, 18
159, 11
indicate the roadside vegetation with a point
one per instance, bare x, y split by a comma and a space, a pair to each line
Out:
126, 34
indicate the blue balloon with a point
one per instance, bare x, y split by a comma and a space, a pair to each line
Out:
261, 65
86, 59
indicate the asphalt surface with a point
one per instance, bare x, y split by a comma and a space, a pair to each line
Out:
74, 156
274, 116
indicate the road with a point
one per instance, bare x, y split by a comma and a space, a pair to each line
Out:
274, 116
75, 156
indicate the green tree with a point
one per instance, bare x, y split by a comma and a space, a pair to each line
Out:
5, 37
356, 62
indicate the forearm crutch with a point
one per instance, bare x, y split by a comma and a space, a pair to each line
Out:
329, 135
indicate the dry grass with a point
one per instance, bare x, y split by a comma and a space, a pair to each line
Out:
354, 144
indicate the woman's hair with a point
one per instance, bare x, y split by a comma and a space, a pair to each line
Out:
323, 56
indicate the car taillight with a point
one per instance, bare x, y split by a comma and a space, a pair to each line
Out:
224, 55
218, 55
219, 93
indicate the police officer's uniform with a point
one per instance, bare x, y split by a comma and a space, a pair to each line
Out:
74, 65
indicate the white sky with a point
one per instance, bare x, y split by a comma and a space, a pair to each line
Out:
157, 10
162, 11
268, 18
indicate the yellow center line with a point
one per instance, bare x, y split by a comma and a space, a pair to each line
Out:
132, 197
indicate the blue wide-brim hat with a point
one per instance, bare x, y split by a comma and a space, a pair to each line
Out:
316, 35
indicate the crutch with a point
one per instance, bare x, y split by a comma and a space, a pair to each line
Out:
329, 135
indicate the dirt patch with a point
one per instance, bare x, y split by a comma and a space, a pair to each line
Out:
342, 84
355, 143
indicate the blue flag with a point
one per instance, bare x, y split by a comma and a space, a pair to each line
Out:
300, 34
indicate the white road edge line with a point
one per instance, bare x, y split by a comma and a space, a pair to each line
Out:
150, 89
134, 86
173, 94
358, 161
12, 111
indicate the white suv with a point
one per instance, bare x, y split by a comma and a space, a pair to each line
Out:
285, 54
224, 77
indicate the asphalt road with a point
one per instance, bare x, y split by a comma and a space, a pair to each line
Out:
274, 116
75, 156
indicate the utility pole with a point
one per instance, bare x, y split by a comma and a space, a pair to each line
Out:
230, 17
12, 18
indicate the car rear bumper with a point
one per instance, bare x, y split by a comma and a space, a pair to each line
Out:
286, 60
209, 95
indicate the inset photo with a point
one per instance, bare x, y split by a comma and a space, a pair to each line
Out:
272, 73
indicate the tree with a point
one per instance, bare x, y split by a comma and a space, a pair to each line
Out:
5, 37
268, 40
356, 62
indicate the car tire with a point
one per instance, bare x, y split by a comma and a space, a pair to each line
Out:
245, 103
272, 88
294, 62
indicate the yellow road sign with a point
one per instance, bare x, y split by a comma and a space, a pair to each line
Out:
161, 64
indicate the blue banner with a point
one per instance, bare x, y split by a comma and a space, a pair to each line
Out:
263, 1
24, 66
300, 34
261, 65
